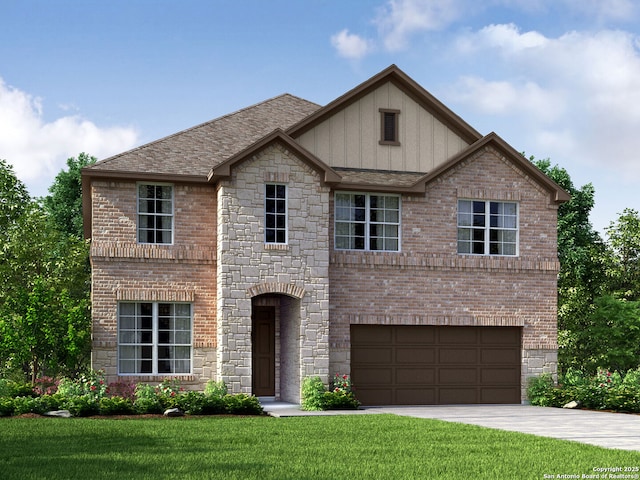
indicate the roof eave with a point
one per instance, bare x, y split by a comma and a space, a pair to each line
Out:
557, 194
405, 83
223, 170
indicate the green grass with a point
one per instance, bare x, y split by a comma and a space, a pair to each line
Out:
336, 447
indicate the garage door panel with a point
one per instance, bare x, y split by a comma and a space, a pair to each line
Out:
499, 376
373, 396
500, 395
411, 335
424, 365
413, 355
458, 376
458, 335
373, 355
378, 335
457, 396
458, 355
382, 375
415, 376
415, 396
499, 356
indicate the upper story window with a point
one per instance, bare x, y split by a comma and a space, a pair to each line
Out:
389, 134
275, 213
487, 227
155, 213
366, 221
154, 338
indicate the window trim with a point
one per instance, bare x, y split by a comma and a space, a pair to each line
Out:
367, 222
396, 127
171, 215
286, 214
154, 339
488, 228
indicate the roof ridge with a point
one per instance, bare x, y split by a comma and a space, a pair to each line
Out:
200, 125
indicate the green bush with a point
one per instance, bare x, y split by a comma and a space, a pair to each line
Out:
12, 389
242, 404
82, 406
213, 405
191, 403
215, 389
116, 406
604, 391
338, 400
144, 406
6, 406
313, 391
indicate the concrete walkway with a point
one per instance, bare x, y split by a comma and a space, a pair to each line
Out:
609, 430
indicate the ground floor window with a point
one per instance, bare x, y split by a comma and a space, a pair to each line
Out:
154, 338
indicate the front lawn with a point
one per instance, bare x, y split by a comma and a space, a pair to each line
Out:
352, 447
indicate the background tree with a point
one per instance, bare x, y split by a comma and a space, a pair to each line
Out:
623, 238
44, 296
583, 258
14, 197
64, 202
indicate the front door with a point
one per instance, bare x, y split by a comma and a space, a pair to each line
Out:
263, 356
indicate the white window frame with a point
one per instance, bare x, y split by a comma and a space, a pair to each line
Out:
155, 343
276, 215
487, 228
367, 222
140, 214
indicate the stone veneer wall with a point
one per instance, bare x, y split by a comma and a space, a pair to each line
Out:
247, 267
429, 283
123, 270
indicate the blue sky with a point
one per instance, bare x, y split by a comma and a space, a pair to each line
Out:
557, 79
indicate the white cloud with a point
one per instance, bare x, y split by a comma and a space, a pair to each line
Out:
579, 98
350, 45
508, 98
401, 18
38, 150
605, 10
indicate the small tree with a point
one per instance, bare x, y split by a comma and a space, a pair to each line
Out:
64, 202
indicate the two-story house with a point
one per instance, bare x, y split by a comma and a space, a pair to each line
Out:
379, 236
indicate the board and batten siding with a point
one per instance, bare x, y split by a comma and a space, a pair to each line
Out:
350, 137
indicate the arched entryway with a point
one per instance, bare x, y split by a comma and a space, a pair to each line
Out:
275, 346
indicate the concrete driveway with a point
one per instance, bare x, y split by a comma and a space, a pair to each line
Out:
609, 430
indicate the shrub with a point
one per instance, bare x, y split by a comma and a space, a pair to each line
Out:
339, 400
191, 403
122, 389
242, 404
12, 389
82, 406
144, 406
213, 405
215, 389
313, 391
45, 386
39, 405
89, 384
6, 406
147, 400
540, 390
116, 406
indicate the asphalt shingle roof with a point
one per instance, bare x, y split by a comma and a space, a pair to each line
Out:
198, 149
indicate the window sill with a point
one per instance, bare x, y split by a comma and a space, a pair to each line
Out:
276, 246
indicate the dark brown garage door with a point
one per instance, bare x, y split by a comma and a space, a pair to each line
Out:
429, 365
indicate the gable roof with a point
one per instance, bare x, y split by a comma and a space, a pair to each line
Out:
223, 170
190, 154
404, 82
556, 192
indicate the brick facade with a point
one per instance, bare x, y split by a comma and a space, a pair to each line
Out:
220, 264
